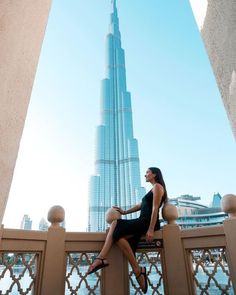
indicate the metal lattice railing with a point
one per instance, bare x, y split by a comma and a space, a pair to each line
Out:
18, 273
210, 271
152, 262
77, 280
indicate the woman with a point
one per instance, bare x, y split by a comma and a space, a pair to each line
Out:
126, 233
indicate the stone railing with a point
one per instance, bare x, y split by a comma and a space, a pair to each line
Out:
179, 262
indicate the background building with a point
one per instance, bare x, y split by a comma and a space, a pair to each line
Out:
117, 172
26, 222
43, 225
216, 203
193, 214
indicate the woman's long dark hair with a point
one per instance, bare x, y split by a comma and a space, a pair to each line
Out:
159, 179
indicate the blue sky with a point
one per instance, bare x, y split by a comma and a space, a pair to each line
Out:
178, 115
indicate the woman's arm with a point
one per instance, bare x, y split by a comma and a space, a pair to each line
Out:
158, 192
130, 210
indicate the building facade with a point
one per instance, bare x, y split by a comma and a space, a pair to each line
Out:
194, 214
117, 172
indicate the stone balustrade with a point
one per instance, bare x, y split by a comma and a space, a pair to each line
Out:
56, 261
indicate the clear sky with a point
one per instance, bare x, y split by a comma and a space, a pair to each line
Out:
178, 115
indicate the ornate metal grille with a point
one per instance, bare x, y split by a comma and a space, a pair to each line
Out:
210, 271
152, 262
77, 281
18, 273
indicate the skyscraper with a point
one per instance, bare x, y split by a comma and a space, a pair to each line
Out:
26, 222
117, 172
43, 225
216, 203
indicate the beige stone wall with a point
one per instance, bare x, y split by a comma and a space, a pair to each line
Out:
219, 36
22, 27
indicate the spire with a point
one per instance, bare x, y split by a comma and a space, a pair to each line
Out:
114, 24
114, 9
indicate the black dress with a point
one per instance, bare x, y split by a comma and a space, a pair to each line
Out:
139, 226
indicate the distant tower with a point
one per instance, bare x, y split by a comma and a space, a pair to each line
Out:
216, 203
43, 225
117, 171
63, 224
26, 222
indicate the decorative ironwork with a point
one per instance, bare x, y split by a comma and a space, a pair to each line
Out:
210, 271
18, 273
77, 280
152, 262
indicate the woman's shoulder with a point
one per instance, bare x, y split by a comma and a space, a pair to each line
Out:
157, 187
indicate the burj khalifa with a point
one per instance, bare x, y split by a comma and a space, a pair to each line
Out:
116, 180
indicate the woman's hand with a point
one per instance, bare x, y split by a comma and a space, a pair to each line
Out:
149, 235
122, 212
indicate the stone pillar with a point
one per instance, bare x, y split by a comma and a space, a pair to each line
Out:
22, 27
228, 204
116, 277
54, 271
219, 36
175, 268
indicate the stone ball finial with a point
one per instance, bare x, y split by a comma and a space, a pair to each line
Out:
111, 215
56, 215
170, 213
228, 205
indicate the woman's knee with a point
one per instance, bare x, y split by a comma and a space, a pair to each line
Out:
113, 227
114, 223
119, 243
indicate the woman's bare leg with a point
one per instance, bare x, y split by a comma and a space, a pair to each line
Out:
106, 247
127, 250
108, 242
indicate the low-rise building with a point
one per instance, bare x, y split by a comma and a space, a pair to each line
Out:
194, 214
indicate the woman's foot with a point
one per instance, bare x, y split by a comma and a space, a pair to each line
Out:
97, 264
142, 279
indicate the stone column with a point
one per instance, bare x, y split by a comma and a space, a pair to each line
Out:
22, 27
219, 35
228, 204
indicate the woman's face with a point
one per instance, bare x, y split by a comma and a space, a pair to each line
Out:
150, 177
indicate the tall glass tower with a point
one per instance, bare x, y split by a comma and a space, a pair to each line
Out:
117, 172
